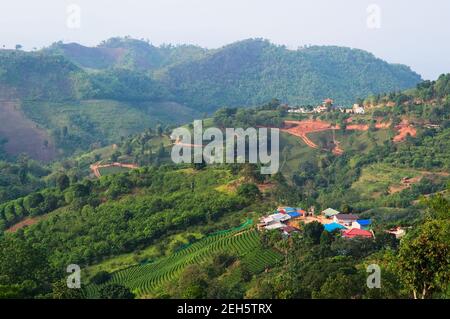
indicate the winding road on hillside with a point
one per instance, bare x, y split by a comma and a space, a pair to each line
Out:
303, 128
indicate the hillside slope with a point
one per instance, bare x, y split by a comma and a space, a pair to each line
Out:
248, 72
252, 72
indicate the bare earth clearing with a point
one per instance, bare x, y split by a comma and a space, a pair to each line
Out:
303, 128
23, 135
24, 223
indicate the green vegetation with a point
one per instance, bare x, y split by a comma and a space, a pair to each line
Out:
175, 231
253, 71
92, 123
113, 170
87, 97
145, 279
20, 179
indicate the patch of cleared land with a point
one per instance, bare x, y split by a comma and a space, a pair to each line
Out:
380, 179
24, 135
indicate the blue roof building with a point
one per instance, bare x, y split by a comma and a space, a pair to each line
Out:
333, 226
362, 223
294, 214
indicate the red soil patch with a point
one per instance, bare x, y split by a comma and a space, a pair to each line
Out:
24, 223
265, 187
95, 168
406, 183
309, 219
302, 128
337, 150
404, 129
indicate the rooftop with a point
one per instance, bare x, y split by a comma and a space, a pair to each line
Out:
347, 217
364, 222
330, 212
332, 227
355, 232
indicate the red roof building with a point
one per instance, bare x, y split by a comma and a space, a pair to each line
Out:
355, 232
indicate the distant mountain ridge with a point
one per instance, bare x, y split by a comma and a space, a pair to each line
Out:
84, 96
126, 53
248, 72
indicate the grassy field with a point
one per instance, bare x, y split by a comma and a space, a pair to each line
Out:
378, 178
146, 279
104, 121
293, 152
351, 140
112, 170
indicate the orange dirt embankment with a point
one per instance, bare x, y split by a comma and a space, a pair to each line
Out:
302, 128
24, 223
95, 168
404, 129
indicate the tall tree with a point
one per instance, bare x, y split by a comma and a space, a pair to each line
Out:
424, 260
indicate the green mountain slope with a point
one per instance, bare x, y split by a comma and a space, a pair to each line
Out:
149, 278
126, 53
147, 84
248, 72
52, 107
251, 72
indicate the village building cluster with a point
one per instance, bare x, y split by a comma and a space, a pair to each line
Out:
349, 225
327, 106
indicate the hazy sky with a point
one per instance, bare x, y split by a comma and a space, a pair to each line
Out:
412, 32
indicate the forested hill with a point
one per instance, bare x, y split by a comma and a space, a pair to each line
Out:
248, 72
70, 97
126, 53
48, 77
251, 72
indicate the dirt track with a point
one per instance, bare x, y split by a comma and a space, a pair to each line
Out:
303, 128
24, 223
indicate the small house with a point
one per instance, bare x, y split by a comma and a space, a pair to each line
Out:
330, 212
275, 225
362, 224
278, 217
357, 109
345, 219
289, 230
301, 212
295, 214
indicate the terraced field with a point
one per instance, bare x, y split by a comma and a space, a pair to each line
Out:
242, 241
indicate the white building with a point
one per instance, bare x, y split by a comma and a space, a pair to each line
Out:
276, 225
357, 109
345, 219
275, 218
